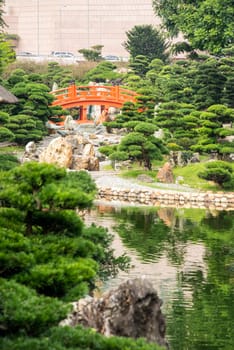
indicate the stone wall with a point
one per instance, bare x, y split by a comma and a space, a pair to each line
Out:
211, 200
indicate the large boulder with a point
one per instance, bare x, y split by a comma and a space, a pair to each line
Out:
58, 152
73, 152
131, 310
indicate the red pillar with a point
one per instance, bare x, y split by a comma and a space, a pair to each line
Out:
83, 114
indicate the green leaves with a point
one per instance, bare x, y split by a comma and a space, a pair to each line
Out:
15, 254
141, 145
6, 134
207, 25
102, 72
145, 40
58, 277
52, 252
218, 171
22, 310
7, 54
79, 338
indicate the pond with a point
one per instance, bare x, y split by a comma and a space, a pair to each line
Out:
188, 254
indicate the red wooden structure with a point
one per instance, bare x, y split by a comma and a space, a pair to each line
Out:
84, 96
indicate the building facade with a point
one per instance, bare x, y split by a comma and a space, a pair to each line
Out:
44, 26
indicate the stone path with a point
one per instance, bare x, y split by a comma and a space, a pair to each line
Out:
112, 179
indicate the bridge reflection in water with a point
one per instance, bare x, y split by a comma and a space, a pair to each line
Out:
94, 95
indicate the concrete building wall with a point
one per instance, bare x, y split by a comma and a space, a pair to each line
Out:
69, 25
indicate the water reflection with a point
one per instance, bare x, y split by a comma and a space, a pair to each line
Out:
188, 255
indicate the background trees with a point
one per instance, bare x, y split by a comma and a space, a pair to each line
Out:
207, 25
93, 54
104, 71
147, 41
7, 54
209, 83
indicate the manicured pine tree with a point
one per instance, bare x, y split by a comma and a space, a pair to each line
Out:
208, 84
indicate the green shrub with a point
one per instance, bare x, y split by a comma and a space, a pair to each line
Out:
217, 171
229, 185
107, 150
4, 117
5, 134
173, 146
8, 161
15, 254
119, 155
57, 277
219, 164
23, 311
77, 338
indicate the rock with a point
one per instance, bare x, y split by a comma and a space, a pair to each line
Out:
58, 152
69, 123
73, 152
195, 158
144, 178
131, 310
30, 147
88, 163
165, 174
179, 158
30, 152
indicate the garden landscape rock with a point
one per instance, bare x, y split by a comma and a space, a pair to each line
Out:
133, 310
72, 152
165, 174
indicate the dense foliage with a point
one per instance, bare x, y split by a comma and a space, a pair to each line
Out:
93, 54
67, 338
8, 161
207, 25
104, 71
219, 172
25, 121
147, 41
7, 54
48, 257
142, 145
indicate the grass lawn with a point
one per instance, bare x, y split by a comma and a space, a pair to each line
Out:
191, 178
12, 149
189, 174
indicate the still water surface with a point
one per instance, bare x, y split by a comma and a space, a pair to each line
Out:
188, 254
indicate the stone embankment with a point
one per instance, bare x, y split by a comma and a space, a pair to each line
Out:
113, 188
218, 201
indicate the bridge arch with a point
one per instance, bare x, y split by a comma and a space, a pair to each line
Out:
84, 96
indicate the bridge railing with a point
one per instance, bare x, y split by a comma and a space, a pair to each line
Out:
93, 92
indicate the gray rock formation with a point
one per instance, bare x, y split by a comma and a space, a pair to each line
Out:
72, 151
131, 310
30, 152
144, 178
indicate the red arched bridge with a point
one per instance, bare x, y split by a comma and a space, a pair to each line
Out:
83, 96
